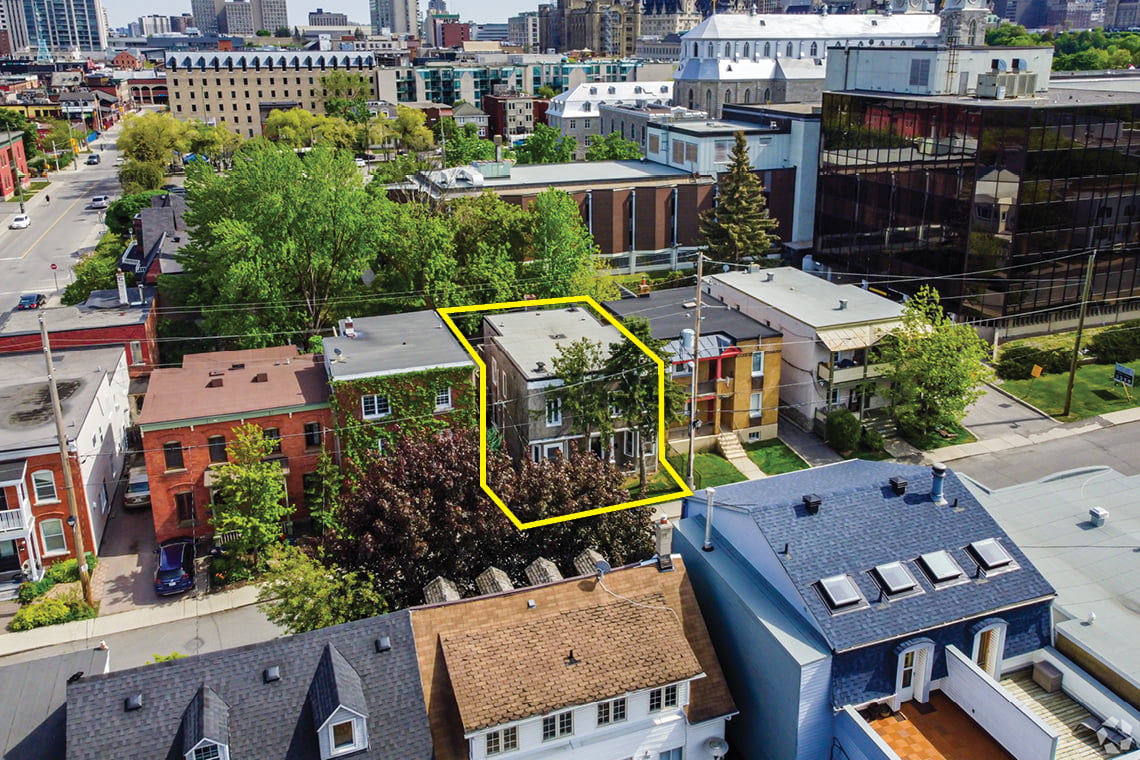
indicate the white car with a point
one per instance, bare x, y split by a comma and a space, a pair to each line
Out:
100, 201
361, 163
20, 222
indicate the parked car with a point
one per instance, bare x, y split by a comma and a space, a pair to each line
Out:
93, 159
138, 489
361, 163
20, 222
31, 301
100, 201
175, 571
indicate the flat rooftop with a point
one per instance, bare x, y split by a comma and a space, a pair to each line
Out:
225, 383
602, 172
1094, 569
393, 344
810, 299
26, 420
1063, 94
530, 337
102, 309
672, 310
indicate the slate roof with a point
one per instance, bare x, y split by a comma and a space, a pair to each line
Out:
576, 613
668, 315
861, 523
266, 720
616, 648
335, 685
207, 717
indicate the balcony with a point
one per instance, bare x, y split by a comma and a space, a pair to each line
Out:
13, 521
854, 373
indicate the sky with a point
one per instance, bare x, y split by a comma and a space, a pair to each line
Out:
122, 12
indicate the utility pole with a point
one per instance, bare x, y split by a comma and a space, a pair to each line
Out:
55, 152
1080, 332
65, 460
696, 356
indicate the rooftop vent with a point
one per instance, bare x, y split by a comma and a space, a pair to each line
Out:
898, 485
540, 367
260, 377
769, 277
215, 383
383, 644
812, 502
216, 372
271, 674
240, 365
558, 336
842, 304
133, 702
989, 554
349, 327
1098, 516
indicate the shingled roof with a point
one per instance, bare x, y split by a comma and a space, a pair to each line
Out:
473, 680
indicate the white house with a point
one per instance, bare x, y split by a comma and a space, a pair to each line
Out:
577, 113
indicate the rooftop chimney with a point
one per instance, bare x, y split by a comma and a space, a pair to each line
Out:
121, 283
842, 304
898, 485
440, 589
542, 571
349, 327
769, 276
493, 580
586, 563
939, 471
812, 502
663, 539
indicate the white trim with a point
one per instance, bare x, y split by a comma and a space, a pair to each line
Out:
401, 371
995, 659
43, 538
919, 688
54, 498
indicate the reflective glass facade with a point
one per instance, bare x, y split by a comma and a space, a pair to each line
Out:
1013, 192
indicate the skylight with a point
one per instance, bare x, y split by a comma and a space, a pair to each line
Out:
941, 566
990, 554
840, 591
895, 578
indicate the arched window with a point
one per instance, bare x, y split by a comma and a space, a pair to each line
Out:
912, 674
767, 95
788, 51
814, 50
728, 96
973, 33
728, 50
708, 102
767, 49
712, 53
747, 50
747, 96
989, 645
692, 103
696, 50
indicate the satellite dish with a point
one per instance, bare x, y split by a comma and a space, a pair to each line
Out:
338, 351
603, 567
724, 268
717, 746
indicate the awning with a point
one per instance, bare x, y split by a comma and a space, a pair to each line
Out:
851, 338
12, 473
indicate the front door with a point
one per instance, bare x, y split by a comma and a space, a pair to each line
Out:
914, 676
9, 557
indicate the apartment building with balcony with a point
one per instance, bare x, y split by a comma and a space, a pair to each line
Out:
829, 331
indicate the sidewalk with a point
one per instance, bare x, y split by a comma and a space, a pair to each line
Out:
99, 628
809, 447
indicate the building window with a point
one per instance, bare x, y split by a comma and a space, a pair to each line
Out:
375, 406
184, 503
136, 352
671, 754
51, 531
442, 398
273, 438
662, 698
814, 50
767, 49
555, 726
43, 483
312, 435
758, 363
788, 51
343, 735
502, 741
553, 412
172, 450
611, 712
217, 446
208, 752
755, 404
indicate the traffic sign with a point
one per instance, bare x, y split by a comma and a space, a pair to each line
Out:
54, 267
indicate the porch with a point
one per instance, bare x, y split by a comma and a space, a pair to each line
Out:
936, 730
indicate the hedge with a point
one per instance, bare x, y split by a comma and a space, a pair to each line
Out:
843, 430
1016, 362
51, 612
1120, 343
29, 591
67, 571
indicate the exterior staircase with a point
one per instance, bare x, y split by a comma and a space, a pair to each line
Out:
730, 447
883, 424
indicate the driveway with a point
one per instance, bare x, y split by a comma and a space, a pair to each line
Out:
996, 415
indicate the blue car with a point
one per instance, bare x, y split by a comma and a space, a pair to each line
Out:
175, 571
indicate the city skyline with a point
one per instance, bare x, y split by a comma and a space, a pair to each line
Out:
122, 13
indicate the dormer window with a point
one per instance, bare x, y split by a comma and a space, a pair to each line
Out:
210, 751
340, 715
501, 741
206, 727
344, 736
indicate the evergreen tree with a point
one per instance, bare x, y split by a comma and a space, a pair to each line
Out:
739, 227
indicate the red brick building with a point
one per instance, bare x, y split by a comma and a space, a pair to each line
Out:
12, 154
455, 34
190, 414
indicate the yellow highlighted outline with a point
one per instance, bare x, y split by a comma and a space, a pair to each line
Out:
663, 461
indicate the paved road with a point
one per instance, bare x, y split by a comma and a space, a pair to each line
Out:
1116, 447
60, 230
207, 633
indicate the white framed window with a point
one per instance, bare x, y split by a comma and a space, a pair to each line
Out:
503, 740
43, 483
611, 712
632, 444
442, 398
671, 754
662, 698
758, 363
557, 726
346, 735
375, 406
553, 412
755, 404
343, 735
494, 372
54, 542
208, 751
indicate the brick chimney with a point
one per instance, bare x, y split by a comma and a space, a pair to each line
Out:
492, 581
440, 589
542, 571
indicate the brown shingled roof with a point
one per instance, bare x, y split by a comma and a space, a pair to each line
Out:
234, 382
488, 660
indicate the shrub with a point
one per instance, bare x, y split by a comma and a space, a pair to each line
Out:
1016, 362
1120, 343
873, 440
63, 609
843, 430
67, 571
160, 658
30, 590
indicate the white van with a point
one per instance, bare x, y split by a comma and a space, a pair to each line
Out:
138, 490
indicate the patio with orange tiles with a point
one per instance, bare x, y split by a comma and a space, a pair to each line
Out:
944, 733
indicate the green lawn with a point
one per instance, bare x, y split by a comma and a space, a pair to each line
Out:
36, 186
774, 457
1093, 392
935, 440
709, 470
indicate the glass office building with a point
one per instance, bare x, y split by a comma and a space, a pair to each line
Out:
1001, 199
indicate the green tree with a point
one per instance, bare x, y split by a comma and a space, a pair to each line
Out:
462, 146
935, 366
14, 121
95, 271
286, 238
584, 393
263, 33
302, 594
121, 213
322, 495
153, 137
546, 145
215, 142
739, 226
140, 176
613, 147
295, 127
843, 430
635, 395
409, 130
346, 96
397, 169
251, 496
564, 251
282, 32
546, 91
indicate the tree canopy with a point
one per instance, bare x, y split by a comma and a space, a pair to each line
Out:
1087, 50
250, 499
463, 145
346, 96
546, 145
935, 366
584, 393
409, 130
613, 147
153, 138
14, 121
739, 226
301, 593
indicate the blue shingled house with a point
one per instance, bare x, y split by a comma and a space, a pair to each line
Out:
864, 586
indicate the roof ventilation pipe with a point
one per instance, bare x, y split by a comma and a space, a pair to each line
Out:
939, 471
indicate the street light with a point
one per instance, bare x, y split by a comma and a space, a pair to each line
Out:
19, 175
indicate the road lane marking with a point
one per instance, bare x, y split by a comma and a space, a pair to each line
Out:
52, 226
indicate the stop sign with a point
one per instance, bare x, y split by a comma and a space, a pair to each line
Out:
55, 266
